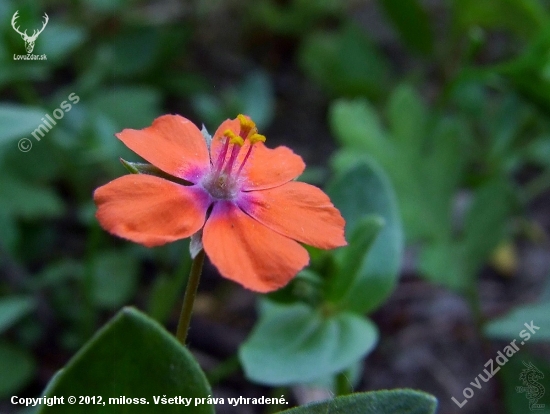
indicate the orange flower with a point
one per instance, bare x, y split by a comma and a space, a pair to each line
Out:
240, 193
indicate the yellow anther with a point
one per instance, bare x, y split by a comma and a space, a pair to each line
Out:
237, 141
233, 138
257, 138
247, 126
228, 133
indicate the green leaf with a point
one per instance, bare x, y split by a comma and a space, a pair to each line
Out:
357, 126
6, 11
294, 17
296, 344
446, 155
529, 73
399, 401
538, 151
454, 263
122, 50
18, 121
128, 107
414, 152
114, 278
253, 96
509, 326
131, 356
257, 98
407, 118
345, 63
442, 262
305, 287
486, 222
10, 231
13, 308
361, 191
21, 199
523, 17
352, 257
59, 40
411, 20
57, 273
145, 168
210, 108
17, 367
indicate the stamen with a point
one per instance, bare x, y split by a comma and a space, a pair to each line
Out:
223, 152
253, 139
257, 138
234, 138
244, 160
248, 127
248, 131
234, 152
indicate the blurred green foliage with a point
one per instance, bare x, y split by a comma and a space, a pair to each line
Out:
441, 119
326, 302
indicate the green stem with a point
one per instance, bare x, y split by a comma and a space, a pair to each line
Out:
189, 298
343, 384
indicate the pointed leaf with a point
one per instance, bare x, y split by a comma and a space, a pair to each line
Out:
508, 326
352, 257
131, 356
22, 199
407, 116
12, 308
525, 17
412, 22
257, 98
145, 168
356, 125
59, 40
345, 62
128, 107
399, 401
486, 222
363, 190
441, 262
18, 120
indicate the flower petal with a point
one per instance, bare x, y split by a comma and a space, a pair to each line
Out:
150, 210
268, 168
249, 253
299, 211
173, 144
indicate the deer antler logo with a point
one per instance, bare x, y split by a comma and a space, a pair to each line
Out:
29, 40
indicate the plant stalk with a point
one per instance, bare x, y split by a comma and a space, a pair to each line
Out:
343, 384
189, 298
